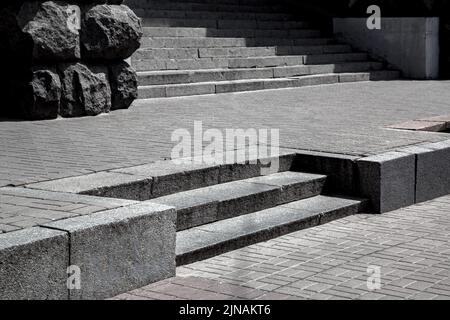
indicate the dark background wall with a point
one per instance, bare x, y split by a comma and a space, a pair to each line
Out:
325, 9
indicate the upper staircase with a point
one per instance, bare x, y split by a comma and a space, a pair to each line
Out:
193, 47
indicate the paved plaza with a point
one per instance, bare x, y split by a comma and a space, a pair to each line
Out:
411, 248
343, 118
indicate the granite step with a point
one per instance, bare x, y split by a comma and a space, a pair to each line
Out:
136, 5
227, 200
250, 62
239, 52
225, 24
229, 33
215, 238
178, 14
193, 76
198, 42
201, 88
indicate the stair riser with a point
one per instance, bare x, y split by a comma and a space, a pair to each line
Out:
229, 33
236, 63
211, 88
263, 235
216, 211
224, 24
154, 43
210, 204
204, 7
229, 75
193, 53
147, 186
213, 15
149, 3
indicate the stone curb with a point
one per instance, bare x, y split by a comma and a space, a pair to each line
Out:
33, 264
406, 176
115, 250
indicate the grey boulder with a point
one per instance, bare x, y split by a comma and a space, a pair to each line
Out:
52, 30
85, 90
110, 32
124, 85
39, 99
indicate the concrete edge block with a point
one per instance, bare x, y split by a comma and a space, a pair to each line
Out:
432, 170
33, 264
121, 249
388, 180
340, 169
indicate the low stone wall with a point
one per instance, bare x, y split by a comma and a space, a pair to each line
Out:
67, 58
410, 45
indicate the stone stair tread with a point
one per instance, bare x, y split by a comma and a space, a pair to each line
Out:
226, 235
220, 201
227, 70
271, 16
229, 42
224, 32
263, 80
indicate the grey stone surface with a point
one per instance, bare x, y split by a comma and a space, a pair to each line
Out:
237, 198
33, 264
388, 180
340, 169
394, 41
175, 176
22, 208
328, 262
191, 211
121, 249
226, 235
104, 184
338, 119
433, 171
294, 185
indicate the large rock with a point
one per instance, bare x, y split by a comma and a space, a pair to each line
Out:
38, 99
124, 85
111, 32
86, 90
52, 29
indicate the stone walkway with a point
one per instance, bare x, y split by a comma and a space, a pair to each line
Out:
409, 247
343, 118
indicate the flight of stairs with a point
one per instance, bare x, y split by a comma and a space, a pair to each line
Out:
226, 207
193, 47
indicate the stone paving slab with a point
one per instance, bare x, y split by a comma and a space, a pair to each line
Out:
22, 208
410, 246
345, 118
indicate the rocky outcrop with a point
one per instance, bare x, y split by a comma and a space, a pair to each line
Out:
67, 57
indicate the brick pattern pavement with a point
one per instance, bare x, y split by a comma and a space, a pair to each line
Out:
344, 118
411, 246
22, 208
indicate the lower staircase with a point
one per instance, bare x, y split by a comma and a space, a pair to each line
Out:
193, 47
248, 208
